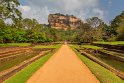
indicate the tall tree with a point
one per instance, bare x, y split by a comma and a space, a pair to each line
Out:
97, 26
120, 31
85, 33
2, 27
9, 10
94, 22
117, 22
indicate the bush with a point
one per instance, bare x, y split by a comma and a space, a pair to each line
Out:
120, 31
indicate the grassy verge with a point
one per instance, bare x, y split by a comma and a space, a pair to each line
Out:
112, 43
45, 46
114, 63
24, 75
15, 44
102, 74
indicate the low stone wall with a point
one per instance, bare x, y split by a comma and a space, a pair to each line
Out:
11, 73
115, 50
118, 58
119, 48
116, 72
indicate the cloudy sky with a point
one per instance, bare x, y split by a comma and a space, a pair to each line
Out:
40, 9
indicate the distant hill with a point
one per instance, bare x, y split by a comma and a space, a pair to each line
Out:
61, 21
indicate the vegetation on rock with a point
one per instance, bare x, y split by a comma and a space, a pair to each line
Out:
29, 30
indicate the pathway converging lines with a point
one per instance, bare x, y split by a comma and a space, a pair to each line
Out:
63, 67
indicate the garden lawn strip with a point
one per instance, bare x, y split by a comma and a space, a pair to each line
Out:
104, 75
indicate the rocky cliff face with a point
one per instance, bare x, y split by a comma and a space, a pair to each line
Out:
60, 21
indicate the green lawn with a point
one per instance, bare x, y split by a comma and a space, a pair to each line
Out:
112, 43
24, 75
91, 46
47, 46
15, 61
114, 63
102, 74
15, 44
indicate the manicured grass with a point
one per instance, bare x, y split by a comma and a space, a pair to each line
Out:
114, 63
102, 74
15, 61
91, 46
15, 44
26, 73
47, 46
112, 43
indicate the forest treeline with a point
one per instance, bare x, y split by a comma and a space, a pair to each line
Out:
29, 30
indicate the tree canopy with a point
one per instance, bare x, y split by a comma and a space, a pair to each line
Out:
30, 30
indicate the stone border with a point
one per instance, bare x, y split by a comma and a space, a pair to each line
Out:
13, 72
119, 48
118, 58
113, 70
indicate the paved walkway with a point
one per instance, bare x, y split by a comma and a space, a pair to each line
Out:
63, 67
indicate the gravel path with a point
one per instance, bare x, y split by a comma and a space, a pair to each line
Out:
63, 67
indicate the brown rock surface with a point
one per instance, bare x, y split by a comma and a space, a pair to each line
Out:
60, 21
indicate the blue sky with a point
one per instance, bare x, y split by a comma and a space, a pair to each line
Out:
40, 9
115, 8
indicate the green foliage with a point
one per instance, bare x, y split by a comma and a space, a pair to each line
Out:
117, 25
85, 33
29, 30
6, 34
2, 26
15, 44
92, 30
49, 46
94, 22
120, 31
19, 36
111, 43
8, 10
118, 21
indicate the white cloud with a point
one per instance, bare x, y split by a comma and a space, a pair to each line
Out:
40, 9
98, 12
25, 8
40, 14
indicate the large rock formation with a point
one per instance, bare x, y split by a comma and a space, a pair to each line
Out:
60, 21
